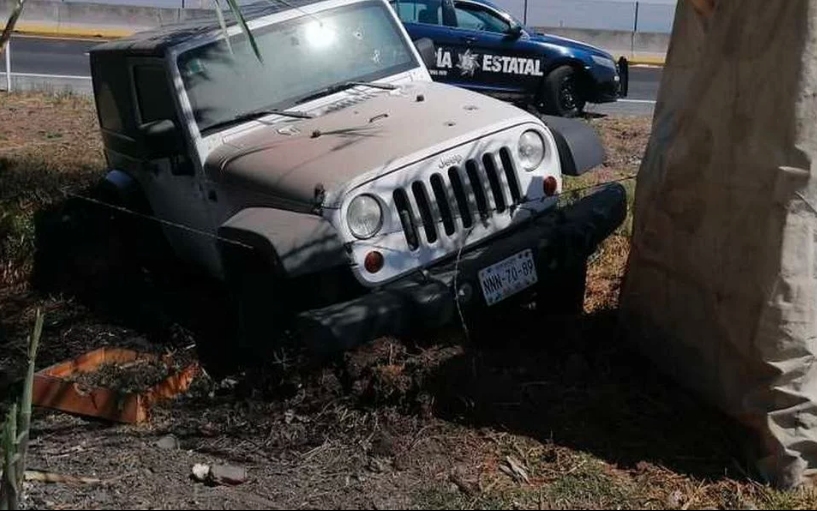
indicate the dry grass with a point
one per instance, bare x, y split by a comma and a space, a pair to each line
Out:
47, 144
420, 423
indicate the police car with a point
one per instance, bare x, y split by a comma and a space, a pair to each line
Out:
484, 48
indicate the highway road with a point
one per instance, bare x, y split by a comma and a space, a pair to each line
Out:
63, 64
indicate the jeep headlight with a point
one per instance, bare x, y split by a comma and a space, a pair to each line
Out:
364, 216
531, 150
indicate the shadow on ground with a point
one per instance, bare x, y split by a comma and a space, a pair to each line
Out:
85, 254
570, 381
575, 383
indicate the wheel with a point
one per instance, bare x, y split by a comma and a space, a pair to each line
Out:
562, 95
257, 322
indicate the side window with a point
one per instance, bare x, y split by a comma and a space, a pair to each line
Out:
110, 116
428, 12
153, 96
472, 17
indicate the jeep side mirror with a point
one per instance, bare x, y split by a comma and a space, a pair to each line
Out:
161, 138
428, 52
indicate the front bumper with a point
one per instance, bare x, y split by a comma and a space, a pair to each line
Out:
624, 74
558, 239
611, 90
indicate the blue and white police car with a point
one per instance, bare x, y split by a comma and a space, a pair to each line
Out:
484, 48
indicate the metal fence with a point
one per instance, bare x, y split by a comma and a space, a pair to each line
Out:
629, 15
635, 16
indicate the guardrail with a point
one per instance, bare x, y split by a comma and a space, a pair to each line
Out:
88, 19
635, 15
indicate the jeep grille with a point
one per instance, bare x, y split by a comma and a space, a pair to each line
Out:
451, 201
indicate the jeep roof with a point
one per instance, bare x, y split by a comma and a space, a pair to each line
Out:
155, 42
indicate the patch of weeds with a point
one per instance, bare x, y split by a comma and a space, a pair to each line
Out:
768, 498
16, 243
442, 497
590, 487
450, 497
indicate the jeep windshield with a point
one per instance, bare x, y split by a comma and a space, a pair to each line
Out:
304, 57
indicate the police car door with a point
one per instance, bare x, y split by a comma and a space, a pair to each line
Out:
432, 19
488, 56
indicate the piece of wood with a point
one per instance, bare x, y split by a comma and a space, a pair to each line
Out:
53, 390
51, 477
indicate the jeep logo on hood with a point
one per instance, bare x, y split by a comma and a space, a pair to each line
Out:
448, 161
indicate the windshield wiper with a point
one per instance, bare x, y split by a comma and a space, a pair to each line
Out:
254, 114
342, 87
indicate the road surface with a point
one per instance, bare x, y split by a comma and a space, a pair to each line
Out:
63, 64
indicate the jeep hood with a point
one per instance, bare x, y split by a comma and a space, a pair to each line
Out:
283, 165
569, 43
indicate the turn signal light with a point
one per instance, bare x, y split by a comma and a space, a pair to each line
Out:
551, 186
373, 262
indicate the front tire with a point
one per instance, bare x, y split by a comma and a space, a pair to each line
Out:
562, 95
258, 317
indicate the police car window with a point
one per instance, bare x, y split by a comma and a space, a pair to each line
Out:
302, 56
471, 17
152, 94
429, 12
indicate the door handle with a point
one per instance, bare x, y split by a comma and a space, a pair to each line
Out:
469, 39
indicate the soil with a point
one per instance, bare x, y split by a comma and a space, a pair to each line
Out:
132, 377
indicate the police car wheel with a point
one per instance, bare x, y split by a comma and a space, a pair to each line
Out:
562, 95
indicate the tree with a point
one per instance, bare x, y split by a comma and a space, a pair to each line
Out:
15, 14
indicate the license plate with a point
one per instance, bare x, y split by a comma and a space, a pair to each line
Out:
508, 277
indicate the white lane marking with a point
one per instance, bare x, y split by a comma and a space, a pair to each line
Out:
61, 77
638, 101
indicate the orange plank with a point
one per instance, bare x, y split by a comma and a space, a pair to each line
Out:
52, 390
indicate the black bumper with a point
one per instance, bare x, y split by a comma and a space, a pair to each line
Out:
624, 74
557, 239
611, 90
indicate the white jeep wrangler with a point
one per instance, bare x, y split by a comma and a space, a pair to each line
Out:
334, 186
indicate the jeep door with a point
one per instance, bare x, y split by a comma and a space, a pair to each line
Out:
159, 157
488, 56
432, 19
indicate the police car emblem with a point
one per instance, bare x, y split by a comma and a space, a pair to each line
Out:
468, 63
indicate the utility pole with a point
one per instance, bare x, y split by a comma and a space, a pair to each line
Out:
8, 66
525, 14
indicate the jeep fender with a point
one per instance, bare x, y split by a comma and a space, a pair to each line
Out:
292, 243
580, 147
